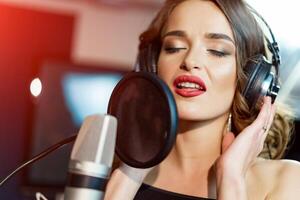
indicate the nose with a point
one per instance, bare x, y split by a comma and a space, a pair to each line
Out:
187, 67
192, 61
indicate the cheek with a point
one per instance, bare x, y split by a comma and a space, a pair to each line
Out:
224, 79
165, 69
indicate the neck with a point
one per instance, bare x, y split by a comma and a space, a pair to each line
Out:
198, 145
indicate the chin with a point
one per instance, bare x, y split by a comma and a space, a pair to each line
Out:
198, 114
192, 115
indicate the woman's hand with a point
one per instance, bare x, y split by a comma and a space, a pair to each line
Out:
238, 154
125, 182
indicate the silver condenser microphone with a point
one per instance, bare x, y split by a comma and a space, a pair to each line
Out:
91, 158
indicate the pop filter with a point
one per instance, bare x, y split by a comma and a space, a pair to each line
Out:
147, 119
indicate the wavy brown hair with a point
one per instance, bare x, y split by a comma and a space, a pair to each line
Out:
249, 39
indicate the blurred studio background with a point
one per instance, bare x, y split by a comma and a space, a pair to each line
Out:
60, 60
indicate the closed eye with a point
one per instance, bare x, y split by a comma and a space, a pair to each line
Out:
218, 53
174, 49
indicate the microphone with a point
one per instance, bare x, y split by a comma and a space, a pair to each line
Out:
91, 158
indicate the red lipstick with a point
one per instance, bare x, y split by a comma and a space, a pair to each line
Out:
189, 86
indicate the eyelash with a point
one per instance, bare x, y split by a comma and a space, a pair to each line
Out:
171, 50
218, 53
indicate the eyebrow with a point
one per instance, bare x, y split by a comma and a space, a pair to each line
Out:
179, 33
174, 33
219, 36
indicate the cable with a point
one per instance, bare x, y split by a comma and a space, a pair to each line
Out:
39, 156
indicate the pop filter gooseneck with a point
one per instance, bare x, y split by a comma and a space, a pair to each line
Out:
147, 119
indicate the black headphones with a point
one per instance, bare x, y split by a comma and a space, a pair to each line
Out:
262, 79
262, 74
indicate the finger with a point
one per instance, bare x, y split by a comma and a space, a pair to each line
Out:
269, 110
271, 118
227, 141
263, 116
268, 125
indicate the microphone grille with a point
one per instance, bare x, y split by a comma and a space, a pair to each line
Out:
96, 140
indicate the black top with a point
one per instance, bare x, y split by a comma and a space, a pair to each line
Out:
147, 192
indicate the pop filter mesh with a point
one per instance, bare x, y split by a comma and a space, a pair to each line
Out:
143, 117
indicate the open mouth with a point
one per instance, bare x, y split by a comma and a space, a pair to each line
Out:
189, 86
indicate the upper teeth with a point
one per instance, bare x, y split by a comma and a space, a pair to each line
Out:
189, 85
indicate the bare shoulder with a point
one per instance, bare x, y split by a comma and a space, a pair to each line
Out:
287, 180
281, 178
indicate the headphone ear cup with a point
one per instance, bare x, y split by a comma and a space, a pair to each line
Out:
257, 70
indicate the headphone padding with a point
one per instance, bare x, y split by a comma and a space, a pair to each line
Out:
256, 69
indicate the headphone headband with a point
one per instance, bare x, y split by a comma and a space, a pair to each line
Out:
272, 45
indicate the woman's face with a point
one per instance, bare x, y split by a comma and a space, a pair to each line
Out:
197, 60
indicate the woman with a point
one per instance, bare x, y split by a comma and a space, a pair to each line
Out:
221, 145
